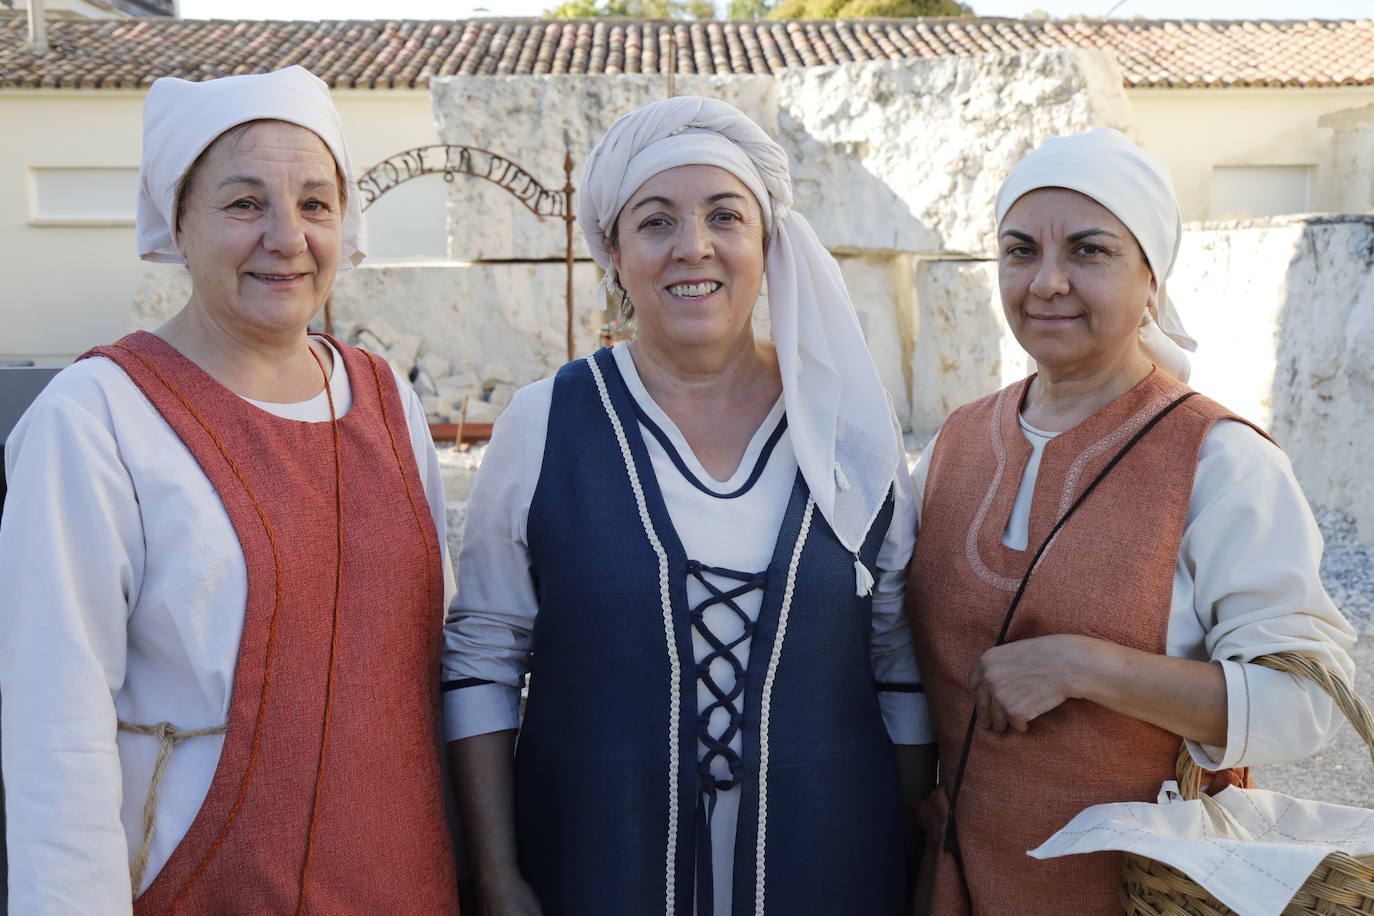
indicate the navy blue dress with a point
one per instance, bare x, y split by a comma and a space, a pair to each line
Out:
609, 789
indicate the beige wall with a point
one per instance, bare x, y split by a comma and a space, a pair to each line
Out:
68, 287
1195, 130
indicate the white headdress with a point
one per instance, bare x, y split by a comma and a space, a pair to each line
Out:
839, 418
1104, 165
181, 119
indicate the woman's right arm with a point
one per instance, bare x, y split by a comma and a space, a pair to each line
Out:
71, 557
487, 642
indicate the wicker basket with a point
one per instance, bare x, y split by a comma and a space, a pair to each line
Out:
1341, 885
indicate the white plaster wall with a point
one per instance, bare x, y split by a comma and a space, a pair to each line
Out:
69, 287
1194, 130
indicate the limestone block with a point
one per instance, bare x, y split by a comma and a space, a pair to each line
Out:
908, 155
963, 347
161, 292
535, 121
1227, 284
1323, 390
884, 304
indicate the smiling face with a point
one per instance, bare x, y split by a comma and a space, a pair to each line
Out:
260, 226
1074, 281
688, 248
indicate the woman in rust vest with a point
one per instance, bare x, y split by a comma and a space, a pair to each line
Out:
222, 549
1192, 555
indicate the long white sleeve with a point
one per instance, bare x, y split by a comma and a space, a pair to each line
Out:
1249, 567
71, 553
894, 661
488, 634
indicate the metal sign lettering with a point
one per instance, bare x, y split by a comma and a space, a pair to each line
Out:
463, 160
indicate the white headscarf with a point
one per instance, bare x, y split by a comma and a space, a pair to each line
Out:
838, 415
181, 119
1104, 165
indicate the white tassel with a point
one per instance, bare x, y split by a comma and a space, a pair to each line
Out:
863, 579
841, 481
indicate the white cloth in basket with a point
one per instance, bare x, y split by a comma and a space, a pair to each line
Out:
1250, 848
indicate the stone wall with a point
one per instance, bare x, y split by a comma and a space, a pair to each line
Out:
894, 163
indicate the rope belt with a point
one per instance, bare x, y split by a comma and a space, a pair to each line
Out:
168, 736
717, 746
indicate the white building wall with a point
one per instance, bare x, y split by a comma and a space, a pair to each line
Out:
1196, 130
69, 283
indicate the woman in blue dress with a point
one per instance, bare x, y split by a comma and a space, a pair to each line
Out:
694, 543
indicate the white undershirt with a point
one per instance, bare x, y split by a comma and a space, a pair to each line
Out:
488, 634
1246, 583
124, 592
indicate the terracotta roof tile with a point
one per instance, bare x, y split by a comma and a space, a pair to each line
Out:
105, 54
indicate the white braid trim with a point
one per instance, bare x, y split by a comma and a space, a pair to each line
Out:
665, 598
766, 705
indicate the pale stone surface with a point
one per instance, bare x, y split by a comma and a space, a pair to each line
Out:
963, 347
884, 301
1228, 286
161, 292
535, 121
908, 155
1324, 367
509, 319
924, 143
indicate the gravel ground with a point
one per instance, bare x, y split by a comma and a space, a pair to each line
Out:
1348, 569
1342, 771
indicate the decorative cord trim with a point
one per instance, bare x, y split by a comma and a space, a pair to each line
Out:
332, 669
766, 706
999, 451
674, 664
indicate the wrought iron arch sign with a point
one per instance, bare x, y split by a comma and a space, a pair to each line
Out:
450, 160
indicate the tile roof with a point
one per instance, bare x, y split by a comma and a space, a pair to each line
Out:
404, 54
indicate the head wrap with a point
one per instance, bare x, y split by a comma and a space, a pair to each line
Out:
181, 119
1136, 187
839, 418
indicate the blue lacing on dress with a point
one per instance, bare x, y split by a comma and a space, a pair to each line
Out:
764, 454
717, 746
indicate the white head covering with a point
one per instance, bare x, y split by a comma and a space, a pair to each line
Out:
181, 119
839, 418
1104, 165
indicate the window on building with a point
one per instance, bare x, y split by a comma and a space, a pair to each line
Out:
1249, 191
82, 196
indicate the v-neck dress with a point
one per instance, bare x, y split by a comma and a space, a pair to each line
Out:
729, 532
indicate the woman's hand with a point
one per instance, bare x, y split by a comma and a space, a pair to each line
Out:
508, 895
1018, 681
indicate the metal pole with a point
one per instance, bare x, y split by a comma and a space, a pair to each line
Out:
568, 222
38, 27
